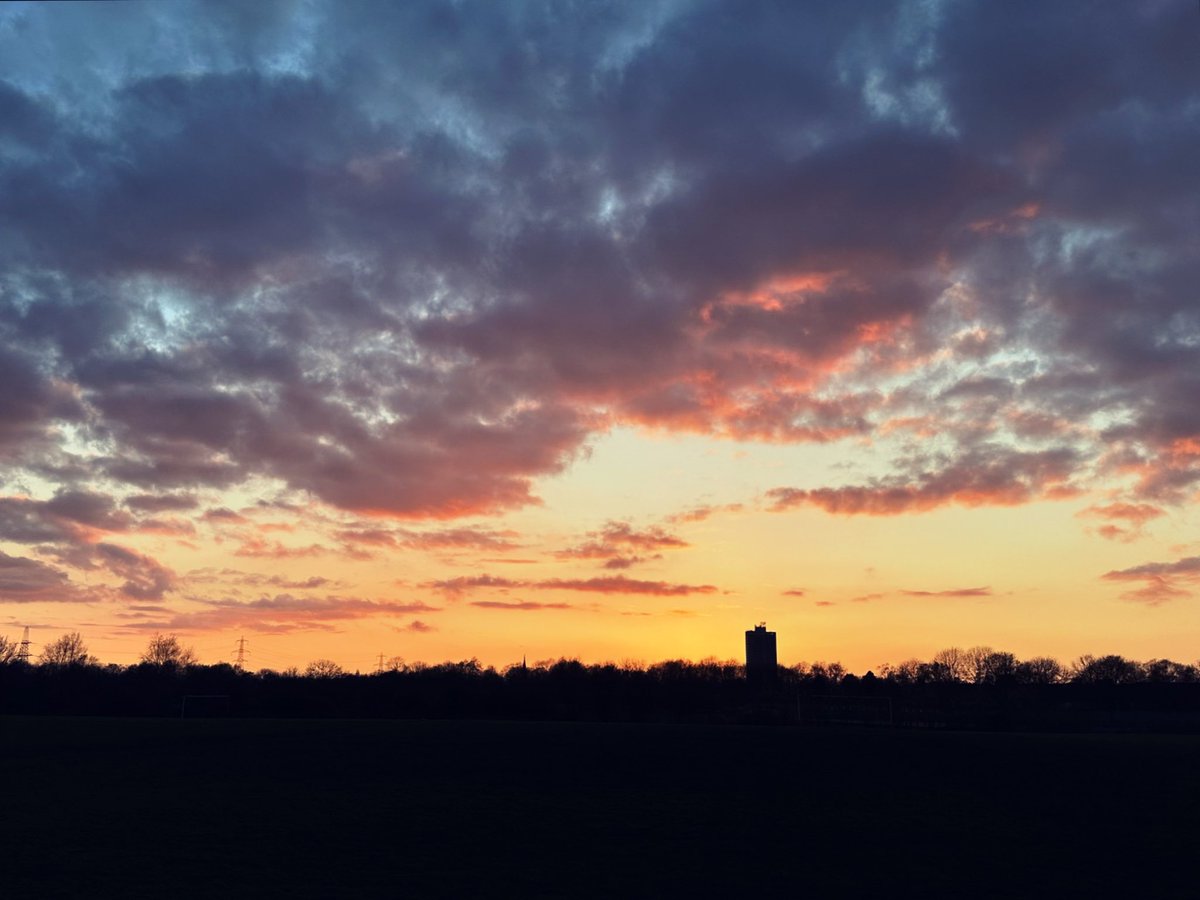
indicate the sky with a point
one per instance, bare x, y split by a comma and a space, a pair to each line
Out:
442, 330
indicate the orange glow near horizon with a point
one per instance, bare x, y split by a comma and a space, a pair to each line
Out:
862, 590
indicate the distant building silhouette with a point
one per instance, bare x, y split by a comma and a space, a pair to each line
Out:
761, 660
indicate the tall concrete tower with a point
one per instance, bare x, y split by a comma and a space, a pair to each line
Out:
761, 659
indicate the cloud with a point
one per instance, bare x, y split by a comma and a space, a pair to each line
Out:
155, 503
224, 515
1134, 517
625, 535
615, 584
464, 583
627, 562
952, 592
519, 605
69, 517
409, 264
70, 527
619, 584
1188, 566
25, 580
282, 613
989, 475
256, 547
447, 540
703, 513
256, 579
794, 592
949, 592
1161, 582
619, 544
145, 578
169, 527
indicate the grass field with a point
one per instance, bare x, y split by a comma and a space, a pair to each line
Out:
253, 808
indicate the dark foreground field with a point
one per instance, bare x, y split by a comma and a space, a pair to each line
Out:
240, 808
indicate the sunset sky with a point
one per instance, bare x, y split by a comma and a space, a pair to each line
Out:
601, 330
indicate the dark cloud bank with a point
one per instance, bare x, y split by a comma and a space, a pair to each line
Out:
408, 258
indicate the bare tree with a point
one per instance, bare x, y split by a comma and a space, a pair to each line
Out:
1165, 671
166, 652
68, 650
1040, 670
995, 668
975, 662
8, 650
832, 672
906, 672
323, 668
956, 665
1110, 669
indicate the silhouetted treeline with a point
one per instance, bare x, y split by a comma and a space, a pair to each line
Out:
977, 688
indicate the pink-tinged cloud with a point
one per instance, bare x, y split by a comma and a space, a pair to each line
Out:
1133, 515
615, 584
621, 545
1161, 582
371, 537
1155, 591
995, 477
145, 578
824, 603
255, 547
461, 539
256, 579
628, 562
172, 527
619, 584
384, 317
794, 592
703, 513
24, 580
445, 540
464, 583
224, 515
952, 592
417, 627
1188, 567
283, 613
519, 605
866, 598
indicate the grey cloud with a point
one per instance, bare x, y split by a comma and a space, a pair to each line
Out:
410, 258
25, 580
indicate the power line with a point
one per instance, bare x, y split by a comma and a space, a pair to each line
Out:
240, 662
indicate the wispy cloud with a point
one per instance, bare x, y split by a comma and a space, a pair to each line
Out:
991, 476
614, 584
621, 546
281, 613
952, 592
1161, 582
519, 605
